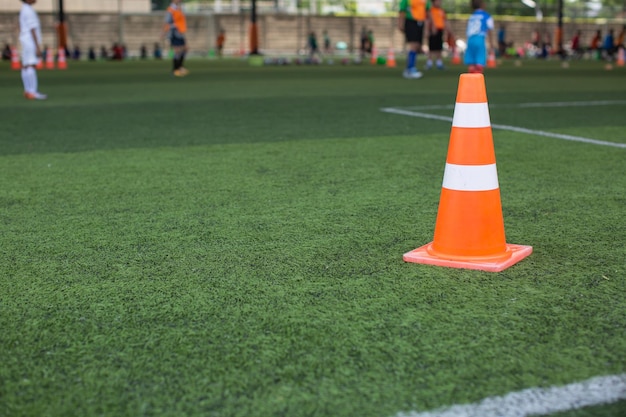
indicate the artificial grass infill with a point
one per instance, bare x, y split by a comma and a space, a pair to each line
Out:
156, 265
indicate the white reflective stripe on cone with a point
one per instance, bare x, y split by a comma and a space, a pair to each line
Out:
470, 177
471, 115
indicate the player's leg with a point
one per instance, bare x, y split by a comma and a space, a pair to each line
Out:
468, 58
175, 60
179, 58
439, 49
481, 57
29, 73
178, 46
439, 60
432, 47
413, 32
183, 53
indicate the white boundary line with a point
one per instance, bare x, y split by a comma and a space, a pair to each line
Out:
529, 105
539, 401
416, 114
510, 128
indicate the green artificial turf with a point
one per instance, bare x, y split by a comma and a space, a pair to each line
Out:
230, 243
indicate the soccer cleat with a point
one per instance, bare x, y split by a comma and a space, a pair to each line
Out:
178, 73
412, 74
476, 69
35, 96
183, 71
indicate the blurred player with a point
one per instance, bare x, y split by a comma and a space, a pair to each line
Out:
411, 21
219, 43
479, 27
327, 47
175, 28
438, 28
312, 45
30, 39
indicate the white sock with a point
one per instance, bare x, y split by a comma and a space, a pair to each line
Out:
26, 80
32, 74
439, 63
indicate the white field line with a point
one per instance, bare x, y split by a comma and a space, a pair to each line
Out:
529, 105
507, 127
539, 401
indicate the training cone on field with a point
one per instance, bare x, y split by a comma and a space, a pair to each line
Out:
456, 57
491, 60
49, 60
391, 59
62, 64
621, 56
469, 231
15, 59
374, 57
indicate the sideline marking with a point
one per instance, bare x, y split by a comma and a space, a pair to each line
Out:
539, 401
507, 127
528, 105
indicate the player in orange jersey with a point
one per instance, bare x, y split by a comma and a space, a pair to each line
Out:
438, 28
175, 29
412, 20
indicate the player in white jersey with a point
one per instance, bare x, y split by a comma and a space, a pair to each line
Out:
30, 39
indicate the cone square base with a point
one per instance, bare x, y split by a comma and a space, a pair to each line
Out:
422, 256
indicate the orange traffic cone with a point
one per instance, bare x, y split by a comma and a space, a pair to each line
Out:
49, 59
456, 57
62, 64
15, 59
621, 57
491, 60
391, 59
469, 232
374, 58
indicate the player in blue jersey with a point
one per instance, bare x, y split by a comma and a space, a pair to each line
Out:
479, 29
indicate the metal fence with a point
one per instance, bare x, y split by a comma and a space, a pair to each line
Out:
387, 7
279, 32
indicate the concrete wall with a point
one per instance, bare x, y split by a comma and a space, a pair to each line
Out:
82, 6
278, 34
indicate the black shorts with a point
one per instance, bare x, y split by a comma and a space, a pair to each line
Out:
177, 41
414, 30
435, 41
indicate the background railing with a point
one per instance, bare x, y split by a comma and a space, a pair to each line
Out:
285, 24
609, 9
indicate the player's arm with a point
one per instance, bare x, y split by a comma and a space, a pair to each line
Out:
448, 29
168, 26
401, 20
33, 32
428, 24
490, 28
402, 14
